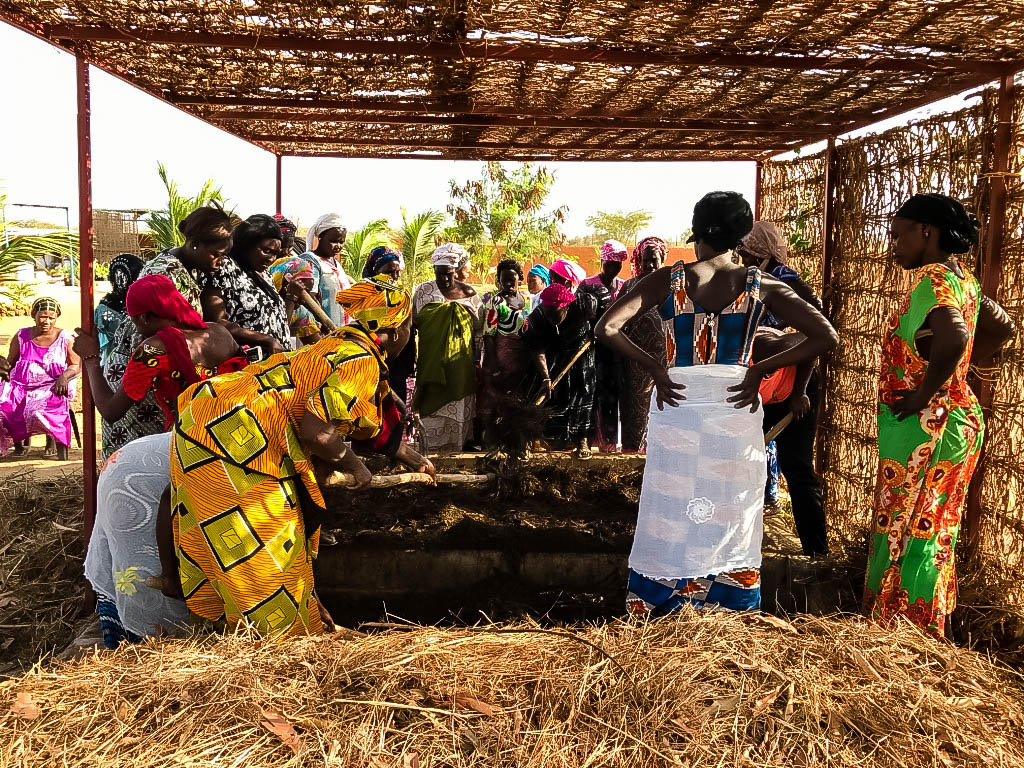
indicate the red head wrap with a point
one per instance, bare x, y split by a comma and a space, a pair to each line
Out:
648, 242
556, 295
157, 295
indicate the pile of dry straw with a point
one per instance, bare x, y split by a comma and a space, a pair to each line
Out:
693, 690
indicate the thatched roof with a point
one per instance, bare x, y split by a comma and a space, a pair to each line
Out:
566, 79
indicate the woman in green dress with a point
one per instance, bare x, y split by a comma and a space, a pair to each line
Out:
930, 425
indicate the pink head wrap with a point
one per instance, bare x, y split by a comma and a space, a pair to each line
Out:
613, 250
556, 295
766, 242
648, 242
157, 295
569, 270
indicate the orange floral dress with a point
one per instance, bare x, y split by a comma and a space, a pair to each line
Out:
925, 463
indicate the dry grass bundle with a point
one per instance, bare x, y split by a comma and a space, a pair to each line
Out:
41, 552
694, 690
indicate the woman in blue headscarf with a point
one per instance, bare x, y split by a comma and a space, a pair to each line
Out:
537, 279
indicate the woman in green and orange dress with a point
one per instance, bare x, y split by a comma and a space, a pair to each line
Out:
930, 425
245, 501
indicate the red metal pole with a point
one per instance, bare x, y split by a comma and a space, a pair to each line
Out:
758, 170
829, 247
85, 235
991, 273
277, 187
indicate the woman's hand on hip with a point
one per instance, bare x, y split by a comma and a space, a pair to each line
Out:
747, 391
907, 402
669, 392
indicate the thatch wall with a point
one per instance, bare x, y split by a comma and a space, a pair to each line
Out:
950, 153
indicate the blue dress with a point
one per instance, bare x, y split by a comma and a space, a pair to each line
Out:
695, 336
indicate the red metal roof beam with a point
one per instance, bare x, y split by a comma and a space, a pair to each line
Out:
569, 53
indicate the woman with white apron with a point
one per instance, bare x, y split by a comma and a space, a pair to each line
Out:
698, 533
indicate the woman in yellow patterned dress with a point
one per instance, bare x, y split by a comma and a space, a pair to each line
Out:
244, 497
930, 425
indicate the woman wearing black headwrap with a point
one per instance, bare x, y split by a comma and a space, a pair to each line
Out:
124, 270
698, 533
930, 424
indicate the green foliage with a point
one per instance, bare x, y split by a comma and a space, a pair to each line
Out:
418, 238
19, 295
506, 209
16, 250
797, 224
358, 245
164, 223
619, 225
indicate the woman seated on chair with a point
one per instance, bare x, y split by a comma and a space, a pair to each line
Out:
178, 349
40, 384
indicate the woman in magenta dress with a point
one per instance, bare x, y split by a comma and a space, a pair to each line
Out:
36, 398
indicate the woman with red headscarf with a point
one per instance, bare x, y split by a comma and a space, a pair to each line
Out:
178, 349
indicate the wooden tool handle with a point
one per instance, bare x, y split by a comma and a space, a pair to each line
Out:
343, 479
560, 376
313, 306
774, 431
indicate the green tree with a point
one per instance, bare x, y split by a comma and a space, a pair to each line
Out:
619, 225
16, 250
358, 245
418, 239
505, 209
164, 223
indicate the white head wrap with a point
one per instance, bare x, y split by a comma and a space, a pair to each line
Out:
766, 242
321, 225
449, 255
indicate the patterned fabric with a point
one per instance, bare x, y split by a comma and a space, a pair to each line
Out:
151, 368
329, 277
735, 591
786, 275
499, 319
636, 383
28, 405
376, 303
145, 418
123, 550
696, 337
107, 322
114, 632
251, 300
614, 291
449, 255
771, 486
925, 465
244, 500
302, 323
613, 250
648, 242
572, 404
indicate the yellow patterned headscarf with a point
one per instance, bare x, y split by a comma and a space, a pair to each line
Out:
376, 303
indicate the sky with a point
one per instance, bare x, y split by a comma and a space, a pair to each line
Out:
132, 132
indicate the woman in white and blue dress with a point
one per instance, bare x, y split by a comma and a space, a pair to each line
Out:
699, 527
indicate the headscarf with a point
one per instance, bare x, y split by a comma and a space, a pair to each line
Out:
556, 295
287, 225
376, 303
722, 220
380, 256
648, 242
321, 225
124, 270
958, 229
289, 268
542, 272
157, 295
449, 255
613, 250
570, 270
766, 242
45, 304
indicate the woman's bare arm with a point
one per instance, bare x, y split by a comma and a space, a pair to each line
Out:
993, 330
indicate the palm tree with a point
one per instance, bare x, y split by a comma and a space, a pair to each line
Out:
358, 245
164, 223
16, 250
418, 237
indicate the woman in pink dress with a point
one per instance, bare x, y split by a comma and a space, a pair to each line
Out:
36, 397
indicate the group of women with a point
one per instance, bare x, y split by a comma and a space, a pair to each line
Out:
210, 502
